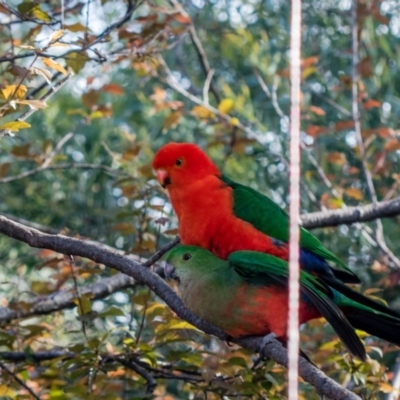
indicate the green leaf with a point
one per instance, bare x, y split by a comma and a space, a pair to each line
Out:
76, 61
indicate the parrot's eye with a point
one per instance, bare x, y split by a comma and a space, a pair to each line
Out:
178, 162
187, 256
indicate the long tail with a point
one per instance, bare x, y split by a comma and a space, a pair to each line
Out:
375, 323
368, 315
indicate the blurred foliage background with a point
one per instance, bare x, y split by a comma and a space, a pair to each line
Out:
139, 75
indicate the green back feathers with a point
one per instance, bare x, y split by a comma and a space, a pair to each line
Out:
271, 219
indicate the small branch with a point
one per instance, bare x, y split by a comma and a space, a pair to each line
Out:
143, 372
139, 272
156, 256
58, 147
20, 382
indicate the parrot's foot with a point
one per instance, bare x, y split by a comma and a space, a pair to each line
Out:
265, 340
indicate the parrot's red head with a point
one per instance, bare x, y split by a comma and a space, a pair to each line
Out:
180, 164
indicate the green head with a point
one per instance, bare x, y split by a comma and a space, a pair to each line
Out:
184, 263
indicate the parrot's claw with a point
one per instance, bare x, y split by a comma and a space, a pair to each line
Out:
228, 340
266, 340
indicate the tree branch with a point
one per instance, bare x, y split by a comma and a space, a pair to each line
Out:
141, 273
349, 215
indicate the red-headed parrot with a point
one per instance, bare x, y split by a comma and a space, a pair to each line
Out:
247, 294
222, 216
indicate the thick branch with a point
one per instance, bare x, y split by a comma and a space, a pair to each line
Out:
137, 271
350, 215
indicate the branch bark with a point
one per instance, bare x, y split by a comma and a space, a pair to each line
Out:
349, 215
141, 273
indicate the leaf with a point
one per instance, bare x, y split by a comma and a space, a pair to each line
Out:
371, 104
317, 110
42, 72
354, 193
337, 158
307, 72
112, 312
309, 61
78, 27
14, 91
202, 112
76, 61
392, 145
113, 88
54, 65
226, 106
84, 304
40, 14
55, 36
15, 126
183, 19
4, 168
172, 120
171, 231
341, 125
316, 130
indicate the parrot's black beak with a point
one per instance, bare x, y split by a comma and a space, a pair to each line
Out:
170, 272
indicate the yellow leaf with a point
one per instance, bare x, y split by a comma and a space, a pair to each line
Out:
16, 91
226, 106
40, 14
15, 126
53, 65
78, 27
202, 112
308, 72
55, 36
234, 121
354, 193
172, 120
76, 61
6, 391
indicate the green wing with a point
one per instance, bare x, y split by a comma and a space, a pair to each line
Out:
269, 218
257, 268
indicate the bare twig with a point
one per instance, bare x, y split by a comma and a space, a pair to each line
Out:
20, 382
139, 272
156, 256
143, 372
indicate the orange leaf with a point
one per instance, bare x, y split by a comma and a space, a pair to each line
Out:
113, 88
337, 158
371, 104
354, 193
315, 130
392, 145
341, 125
309, 61
317, 110
183, 19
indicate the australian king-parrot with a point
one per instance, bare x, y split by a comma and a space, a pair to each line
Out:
246, 294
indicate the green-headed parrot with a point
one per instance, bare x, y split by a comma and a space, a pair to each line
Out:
247, 294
